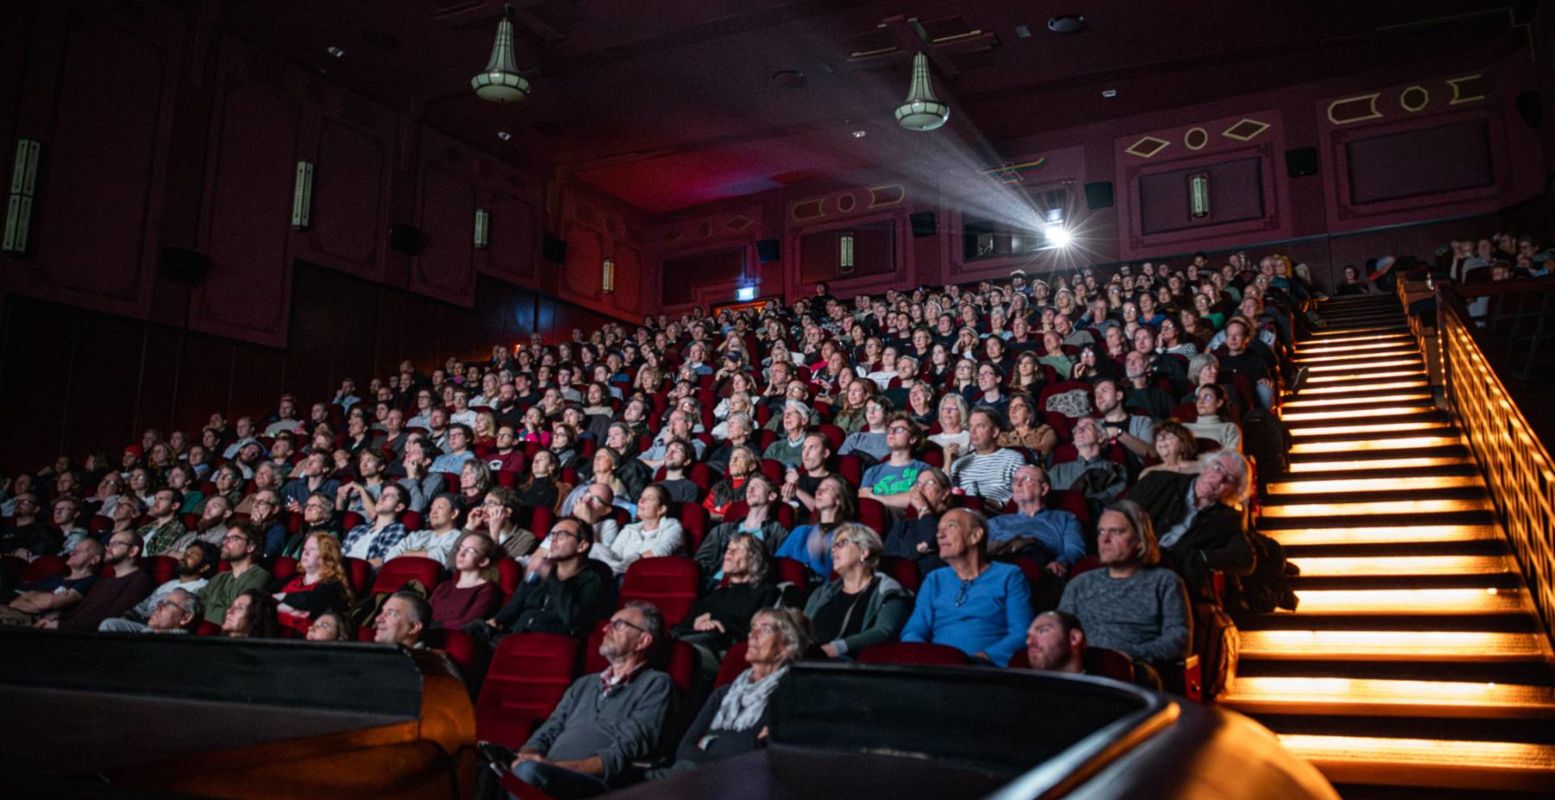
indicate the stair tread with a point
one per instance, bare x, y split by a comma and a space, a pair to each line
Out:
1305, 485
1378, 508
1373, 401
1381, 645
1452, 601
1445, 465
1413, 442
1305, 695
1419, 534
1482, 765
1395, 565
1375, 429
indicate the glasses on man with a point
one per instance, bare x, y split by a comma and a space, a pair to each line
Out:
619, 625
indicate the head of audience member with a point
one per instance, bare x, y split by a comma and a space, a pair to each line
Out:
179, 610
1223, 478
1125, 539
814, 452
1088, 437
1056, 642
796, 417
595, 504
631, 636
1028, 487
122, 550
985, 429
855, 552
963, 539
778, 637
329, 626
251, 615
393, 499
1174, 443
199, 560
241, 546
66, 513
745, 560
402, 619
1209, 401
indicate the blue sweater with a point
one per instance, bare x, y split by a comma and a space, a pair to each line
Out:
992, 618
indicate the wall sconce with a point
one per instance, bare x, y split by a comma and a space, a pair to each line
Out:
1198, 195
24, 182
482, 229
302, 196
845, 253
607, 278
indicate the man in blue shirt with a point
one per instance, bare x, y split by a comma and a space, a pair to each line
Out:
978, 606
1050, 534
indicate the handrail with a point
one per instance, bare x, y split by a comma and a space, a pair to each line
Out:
1515, 462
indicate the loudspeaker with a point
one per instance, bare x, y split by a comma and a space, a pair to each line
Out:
923, 223
767, 251
1098, 195
1301, 162
407, 239
553, 249
182, 265
1531, 107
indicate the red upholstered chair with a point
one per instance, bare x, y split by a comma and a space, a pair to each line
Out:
913, 653
460, 647
1084, 565
351, 520
1108, 663
695, 519
733, 664
676, 658
669, 583
411, 520
163, 568
191, 521
1205, 445
528, 675
507, 477
851, 468
207, 628
903, 571
1074, 503
872, 513
397, 571
509, 573
360, 572
1187, 412
46, 566
739, 508
13, 568
834, 436
788, 570
774, 469
282, 571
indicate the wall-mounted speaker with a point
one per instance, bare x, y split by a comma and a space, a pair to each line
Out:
1301, 162
1531, 107
407, 239
767, 251
1098, 195
182, 265
923, 223
553, 249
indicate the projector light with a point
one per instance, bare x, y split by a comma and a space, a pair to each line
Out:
1058, 236
745, 294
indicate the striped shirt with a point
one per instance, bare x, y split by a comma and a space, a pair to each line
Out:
987, 476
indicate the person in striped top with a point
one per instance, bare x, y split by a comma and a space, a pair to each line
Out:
987, 471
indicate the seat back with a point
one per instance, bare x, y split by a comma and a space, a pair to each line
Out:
669, 583
733, 664
284, 568
163, 568
694, 519
397, 571
360, 571
903, 571
873, 515
1108, 663
922, 653
46, 566
509, 574
528, 675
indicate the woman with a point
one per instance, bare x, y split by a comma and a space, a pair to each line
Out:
329, 626
920, 403
953, 437
472, 594
1203, 370
861, 607
564, 443
1206, 311
1352, 283
485, 432
540, 489
1131, 604
141, 485
251, 615
1170, 340
1175, 447
914, 536
811, 544
655, 534
598, 411
760, 521
853, 414
321, 584
1194, 330
1028, 374
734, 719
743, 462
604, 471
870, 440
1210, 404
1091, 364
722, 616
1025, 428
964, 382
474, 482
940, 368
533, 428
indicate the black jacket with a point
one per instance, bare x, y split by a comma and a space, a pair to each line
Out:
1215, 541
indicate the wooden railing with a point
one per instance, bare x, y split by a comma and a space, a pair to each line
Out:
1511, 453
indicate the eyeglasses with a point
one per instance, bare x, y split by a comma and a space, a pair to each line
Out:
234, 538
618, 624
961, 594
562, 532
838, 544
161, 603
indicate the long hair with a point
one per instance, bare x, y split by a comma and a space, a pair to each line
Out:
332, 563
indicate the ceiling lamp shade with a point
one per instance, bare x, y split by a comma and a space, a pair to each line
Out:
922, 111
500, 82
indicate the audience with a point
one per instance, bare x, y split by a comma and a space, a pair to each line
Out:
860, 607
978, 606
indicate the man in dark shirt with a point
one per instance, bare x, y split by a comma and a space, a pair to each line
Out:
565, 592
112, 594
27, 534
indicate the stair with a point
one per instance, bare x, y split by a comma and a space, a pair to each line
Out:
1414, 665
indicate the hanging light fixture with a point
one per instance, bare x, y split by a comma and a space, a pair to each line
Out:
500, 82
922, 111
1198, 195
845, 253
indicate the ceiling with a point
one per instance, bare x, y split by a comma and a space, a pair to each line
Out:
668, 105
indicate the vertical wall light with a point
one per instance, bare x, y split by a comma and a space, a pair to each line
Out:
302, 196
845, 253
607, 277
24, 182
482, 229
1198, 194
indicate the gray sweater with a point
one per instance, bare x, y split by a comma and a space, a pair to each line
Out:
1144, 615
620, 728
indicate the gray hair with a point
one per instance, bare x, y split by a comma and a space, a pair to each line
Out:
792, 627
760, 561
1236, 469
864, 537
1199, 362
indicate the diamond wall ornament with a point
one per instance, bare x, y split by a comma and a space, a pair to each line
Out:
1245, 129
1147, 147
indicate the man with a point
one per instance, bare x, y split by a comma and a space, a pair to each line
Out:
509, 456
801, 482
313, 476
680, 427
596, 507
460, 437
211, 526
437, 427
1240, 357
632, 472
1200, 526
1056, 642
285, 416
165, 529
374, 539
177, 612
423, 416
1051, 535
60, 592
318, 516
1135, 432
28, 535
1142, 391
438, 541
677, 471
67, 520
194, 570
245, 433
240, 548
978, 606
986, 471
419, 486
462, 414
564, 591
891, 481
1091, 472
345, 396
737, 433
402, 619
605, 721
361, 495
266, 476
394, 434
112, 594
1068, 334
789, 448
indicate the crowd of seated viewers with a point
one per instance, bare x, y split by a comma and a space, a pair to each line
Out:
1012, 470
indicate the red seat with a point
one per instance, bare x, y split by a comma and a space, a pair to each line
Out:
283, 570
1099, 661
397, 571
676, 658
1187, 412
507, 477
913, 653
509, 573
13, 568
1084, 565
694, 519
361, 572
351, 520
528, 675
161, 568
851, 468
733, 664
903, 571
42, 567
190, 521
669, 583
872, 514
411, 520
739, 508
834, 436
460, 647
207, 628
791, 571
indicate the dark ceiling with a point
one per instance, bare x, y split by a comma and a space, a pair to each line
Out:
668, 105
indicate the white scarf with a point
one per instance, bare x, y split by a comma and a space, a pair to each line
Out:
742, 707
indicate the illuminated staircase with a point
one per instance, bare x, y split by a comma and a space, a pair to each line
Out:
1414, 666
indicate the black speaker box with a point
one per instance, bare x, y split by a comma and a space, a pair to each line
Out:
407, 239
182, 265
1098, 195
923, 223
1531, 107
767, 251
553, 249
1301, 162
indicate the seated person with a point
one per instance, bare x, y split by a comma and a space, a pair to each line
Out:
192, 573
1200, 525
976, 605
1091, 473
892, 480
986, 471
59, 592
677, 473
176, 612
1131, 604
568, 593
734, 718
760, 521
330, 627
250, 615
811, 544
112, 594
1051, 535
321, 584
1209, 402
917, 539
240, 549
437, 541
1175, 446
722, 616
654, 535
402, 620
861, 607
607, 720
472, 594
496, 517
743, 463
870, 441
374, 538
790, 442
1056, 642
